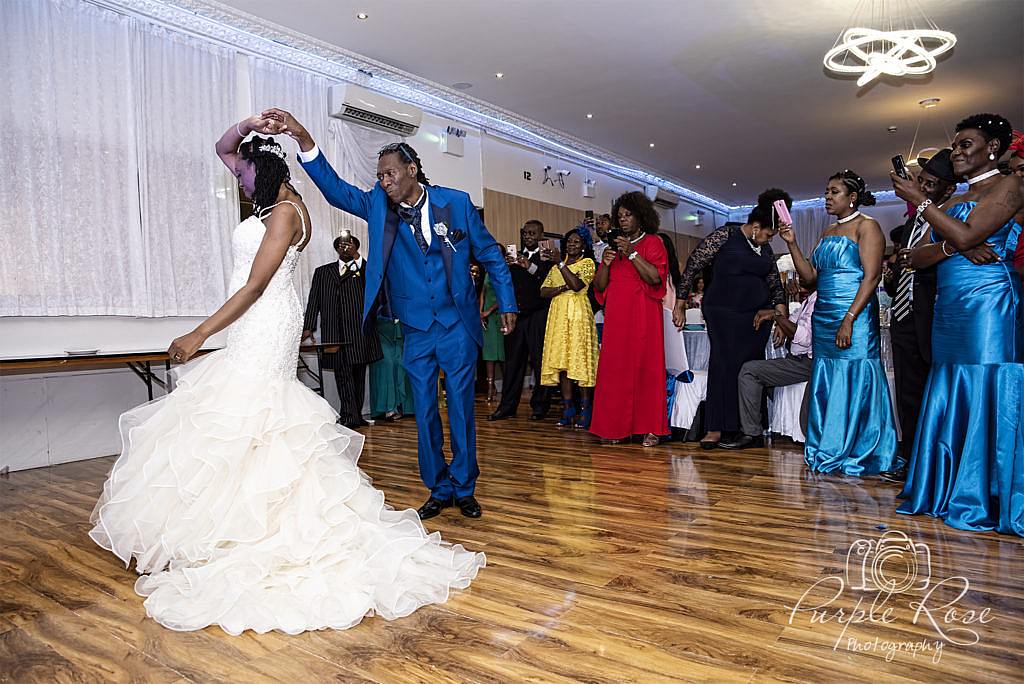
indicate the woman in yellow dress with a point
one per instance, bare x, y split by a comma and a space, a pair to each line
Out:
570, 339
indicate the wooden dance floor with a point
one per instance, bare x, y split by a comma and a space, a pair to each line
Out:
605, 564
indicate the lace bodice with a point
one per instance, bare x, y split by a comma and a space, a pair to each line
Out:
265, 340
703, 256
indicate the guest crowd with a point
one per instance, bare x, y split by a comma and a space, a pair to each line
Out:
597, 304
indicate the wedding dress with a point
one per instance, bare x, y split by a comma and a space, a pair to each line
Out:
239, 498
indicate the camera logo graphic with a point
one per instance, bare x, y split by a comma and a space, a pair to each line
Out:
894, 563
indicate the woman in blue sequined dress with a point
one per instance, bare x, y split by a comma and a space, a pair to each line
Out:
967, 466
850, 424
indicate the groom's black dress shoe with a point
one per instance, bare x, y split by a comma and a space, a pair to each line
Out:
500, 415
743, 442
433, 508
469, 506
898, 475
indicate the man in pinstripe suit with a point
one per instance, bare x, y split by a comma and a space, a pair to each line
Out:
336, 298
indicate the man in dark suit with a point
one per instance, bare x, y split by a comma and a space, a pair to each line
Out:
913, 305
526, 342
421, 238
336, 298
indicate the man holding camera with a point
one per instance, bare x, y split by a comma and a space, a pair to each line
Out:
526, 343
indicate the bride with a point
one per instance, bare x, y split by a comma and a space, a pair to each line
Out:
237, 495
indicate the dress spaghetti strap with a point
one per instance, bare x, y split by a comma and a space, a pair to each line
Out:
302, 218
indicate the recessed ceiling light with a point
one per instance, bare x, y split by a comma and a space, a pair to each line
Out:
499, 75
363, 16
697, 166
651, 145
892, 129
734, 185
930, 102
590, 116
462, 85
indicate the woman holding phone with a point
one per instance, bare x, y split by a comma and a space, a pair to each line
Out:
850, 422
743, 295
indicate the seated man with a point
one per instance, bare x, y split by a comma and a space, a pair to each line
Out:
790, 370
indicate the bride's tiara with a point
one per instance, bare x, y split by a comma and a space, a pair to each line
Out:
272, 149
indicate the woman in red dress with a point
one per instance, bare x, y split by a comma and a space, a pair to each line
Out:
629, 398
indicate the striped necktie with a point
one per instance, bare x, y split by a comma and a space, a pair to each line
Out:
901, 304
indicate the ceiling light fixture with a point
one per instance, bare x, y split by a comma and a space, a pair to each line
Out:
362, 16
697, 166
590, 116
651, 146
902, 50
499, 75
734, 185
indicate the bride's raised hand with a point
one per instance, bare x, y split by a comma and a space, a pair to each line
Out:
259, 123
290, 126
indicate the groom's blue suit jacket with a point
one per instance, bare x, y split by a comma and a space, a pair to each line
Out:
410, 286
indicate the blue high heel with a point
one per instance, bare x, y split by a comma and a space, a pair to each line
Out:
568, 414
583, 419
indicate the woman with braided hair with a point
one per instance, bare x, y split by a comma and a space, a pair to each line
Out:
850, 423
238, 495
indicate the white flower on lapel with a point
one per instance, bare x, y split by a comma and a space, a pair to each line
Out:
442, 232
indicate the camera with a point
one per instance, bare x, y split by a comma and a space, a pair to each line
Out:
892, 564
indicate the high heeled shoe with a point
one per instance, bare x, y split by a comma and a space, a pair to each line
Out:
492, 390
568, 414
583, 417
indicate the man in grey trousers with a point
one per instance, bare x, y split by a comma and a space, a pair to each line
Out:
756, 375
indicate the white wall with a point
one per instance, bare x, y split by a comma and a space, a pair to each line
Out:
462, 173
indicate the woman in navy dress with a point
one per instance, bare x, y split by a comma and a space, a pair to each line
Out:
850, 422
743, 295
967, 467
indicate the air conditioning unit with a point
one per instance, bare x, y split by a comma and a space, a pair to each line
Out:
661, 198
359, 105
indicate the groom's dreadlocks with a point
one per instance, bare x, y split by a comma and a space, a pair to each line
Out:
409, 155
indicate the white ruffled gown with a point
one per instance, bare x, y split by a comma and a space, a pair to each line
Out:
239, 497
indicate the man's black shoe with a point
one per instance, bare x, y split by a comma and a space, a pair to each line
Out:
433, 507
537, 416
469, 506
500, 415
899, 475
743, 442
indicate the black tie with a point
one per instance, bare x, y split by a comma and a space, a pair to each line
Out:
413, 217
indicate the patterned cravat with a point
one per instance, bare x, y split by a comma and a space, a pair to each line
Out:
901, 304
413, 216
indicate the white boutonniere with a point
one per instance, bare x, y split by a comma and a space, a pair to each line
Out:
441, 230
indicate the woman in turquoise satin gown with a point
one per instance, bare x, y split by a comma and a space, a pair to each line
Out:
967, 466
850, 422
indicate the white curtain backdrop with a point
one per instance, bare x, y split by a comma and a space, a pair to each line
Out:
352, 151
114, 201
189, 197
70, 228
808, 224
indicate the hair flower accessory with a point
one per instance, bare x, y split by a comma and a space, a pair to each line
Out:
272, 149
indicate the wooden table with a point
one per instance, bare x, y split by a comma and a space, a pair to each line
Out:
141, 363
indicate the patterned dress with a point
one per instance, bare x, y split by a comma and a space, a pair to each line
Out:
570, 339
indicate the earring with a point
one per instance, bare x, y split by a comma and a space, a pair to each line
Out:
991, 156
851, 205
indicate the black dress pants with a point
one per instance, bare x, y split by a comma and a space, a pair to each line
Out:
525, 345
351, 381
911, 361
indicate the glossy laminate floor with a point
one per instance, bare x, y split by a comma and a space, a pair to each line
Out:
605, 564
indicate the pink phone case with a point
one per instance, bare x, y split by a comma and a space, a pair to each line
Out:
783, 212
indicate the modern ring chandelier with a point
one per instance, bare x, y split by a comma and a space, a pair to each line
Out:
898, 49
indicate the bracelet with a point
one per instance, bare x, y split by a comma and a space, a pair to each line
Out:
942, 246
633, 255
239, 132
923, 205
851, 315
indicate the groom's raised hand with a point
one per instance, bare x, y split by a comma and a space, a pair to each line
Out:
290, 126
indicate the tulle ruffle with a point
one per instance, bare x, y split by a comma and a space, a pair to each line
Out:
240, 500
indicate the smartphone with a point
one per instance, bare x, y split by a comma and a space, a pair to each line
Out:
513, 251
783, 212
900, 167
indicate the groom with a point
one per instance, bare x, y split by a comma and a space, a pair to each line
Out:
421, 239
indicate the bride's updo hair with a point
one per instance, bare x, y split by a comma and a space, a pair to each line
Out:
762, 214
271, 170
855, 183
